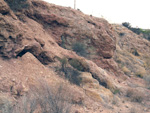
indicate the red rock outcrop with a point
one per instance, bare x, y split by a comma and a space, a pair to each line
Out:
67, 26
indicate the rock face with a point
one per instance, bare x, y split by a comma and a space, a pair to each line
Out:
41, 41
67, 26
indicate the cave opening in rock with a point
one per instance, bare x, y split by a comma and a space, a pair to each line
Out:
23, 52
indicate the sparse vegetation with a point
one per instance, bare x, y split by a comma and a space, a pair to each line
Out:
44, 99
144, 32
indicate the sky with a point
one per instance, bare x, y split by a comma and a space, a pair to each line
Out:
136, 12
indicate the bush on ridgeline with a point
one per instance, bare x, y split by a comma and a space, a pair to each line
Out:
126, 24
144, 32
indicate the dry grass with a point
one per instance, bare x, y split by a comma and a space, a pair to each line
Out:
126, 70
94, 95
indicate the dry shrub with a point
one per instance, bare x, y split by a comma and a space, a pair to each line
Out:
141, 73
135, 95
45, 99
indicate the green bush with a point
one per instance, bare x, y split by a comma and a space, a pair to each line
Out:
126, 24
80, 49
145, 32
116, 91
72, 75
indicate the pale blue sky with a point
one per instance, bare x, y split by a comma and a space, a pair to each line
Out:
136, 12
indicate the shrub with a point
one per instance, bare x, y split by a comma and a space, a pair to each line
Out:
126, 24
135, 95
72, 75
129, 92
116, 91
79, 64
80, 49
17, 5
64, 62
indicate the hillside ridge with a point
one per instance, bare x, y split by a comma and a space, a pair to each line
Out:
99, 67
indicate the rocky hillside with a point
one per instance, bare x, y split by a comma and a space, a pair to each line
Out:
56, 59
